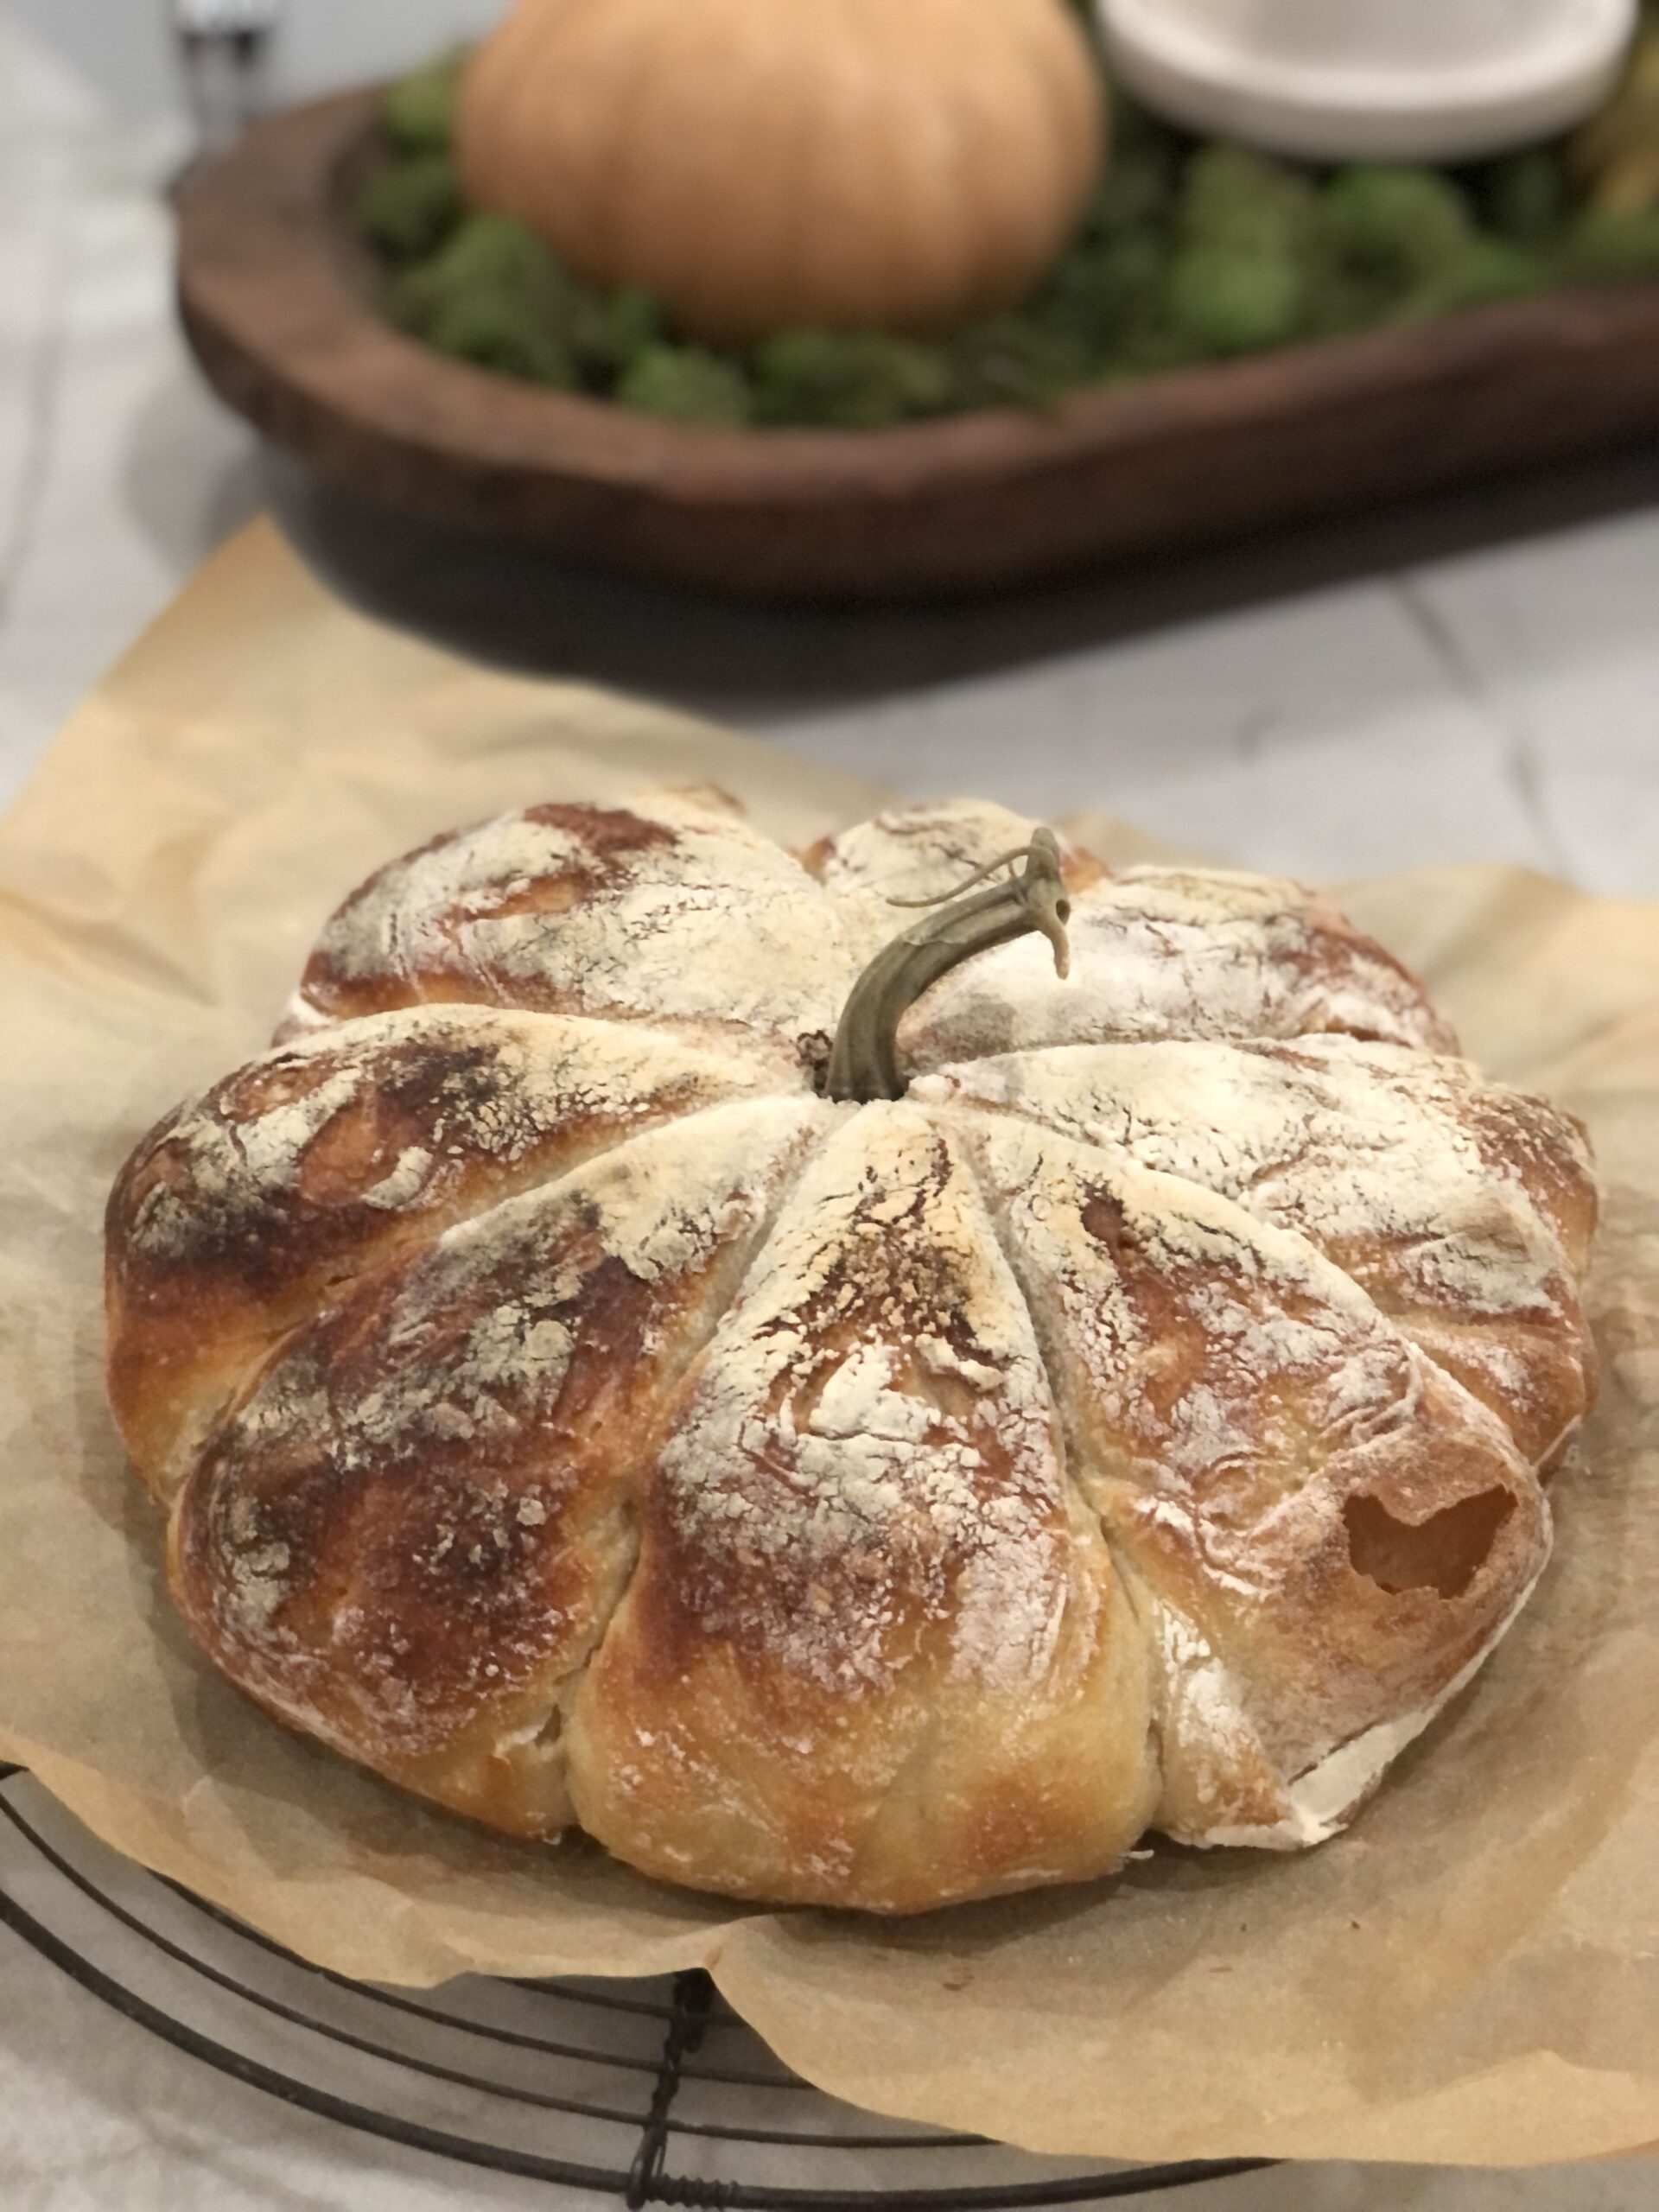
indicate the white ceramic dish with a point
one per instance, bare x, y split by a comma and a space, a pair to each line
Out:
1371, 80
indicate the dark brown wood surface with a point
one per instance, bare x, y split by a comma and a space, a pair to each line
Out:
275, 298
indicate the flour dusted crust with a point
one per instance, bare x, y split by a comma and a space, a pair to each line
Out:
563, 1410
1465, 1212
1322, 1525
862, 1560
408, 1533
923, 852
1177, 952
673, 911
241, 1212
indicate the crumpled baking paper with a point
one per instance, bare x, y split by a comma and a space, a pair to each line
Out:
1471, 1975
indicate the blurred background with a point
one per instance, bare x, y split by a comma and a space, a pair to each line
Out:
125, 48
1472, 677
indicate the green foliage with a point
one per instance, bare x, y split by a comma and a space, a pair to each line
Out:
1482, 269
611, 330
1141, 173
851, 381
1398, 226
1016, 361
1229, 302
418, 114
408, 208
1249, 252
1106, 294
1345, 299
493, 295
1188, 253
1606, 246
1526, 197
1104, 298
687, 383
1133, 197
1247, 202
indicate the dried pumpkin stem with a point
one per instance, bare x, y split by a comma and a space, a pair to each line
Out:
864, 1063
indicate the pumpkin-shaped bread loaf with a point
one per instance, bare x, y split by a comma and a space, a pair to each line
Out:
579, 1394
852, 164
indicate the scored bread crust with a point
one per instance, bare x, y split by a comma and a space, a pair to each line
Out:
561, 1409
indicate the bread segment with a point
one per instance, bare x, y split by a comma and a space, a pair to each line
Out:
925, 851
673, 911
1464, 1209
1176, 953
1323, 1531
245, 1211
409, 1534
875, 1653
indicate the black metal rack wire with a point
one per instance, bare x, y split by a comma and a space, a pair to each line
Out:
647, 2092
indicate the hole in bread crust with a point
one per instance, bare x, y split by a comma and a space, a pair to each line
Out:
1443, 1553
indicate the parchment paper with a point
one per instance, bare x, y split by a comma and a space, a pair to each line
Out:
1471, 1975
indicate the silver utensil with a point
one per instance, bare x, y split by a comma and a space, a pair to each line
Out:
225, 49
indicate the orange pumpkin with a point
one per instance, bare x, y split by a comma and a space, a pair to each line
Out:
848, 164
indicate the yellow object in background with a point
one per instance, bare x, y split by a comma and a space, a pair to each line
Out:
757, 167
1616, 155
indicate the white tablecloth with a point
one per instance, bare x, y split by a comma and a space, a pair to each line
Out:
1478, 681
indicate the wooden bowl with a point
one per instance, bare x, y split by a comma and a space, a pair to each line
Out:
275, 292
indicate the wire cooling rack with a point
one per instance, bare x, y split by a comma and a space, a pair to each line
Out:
642, 2092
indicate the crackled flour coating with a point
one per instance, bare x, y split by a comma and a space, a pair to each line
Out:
562, 1409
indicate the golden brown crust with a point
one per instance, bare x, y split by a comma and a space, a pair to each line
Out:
1464, 1211
565, 1414
674, 911
1177, 953
237, 1214
411, 1530
1331, 1519
875, 1653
